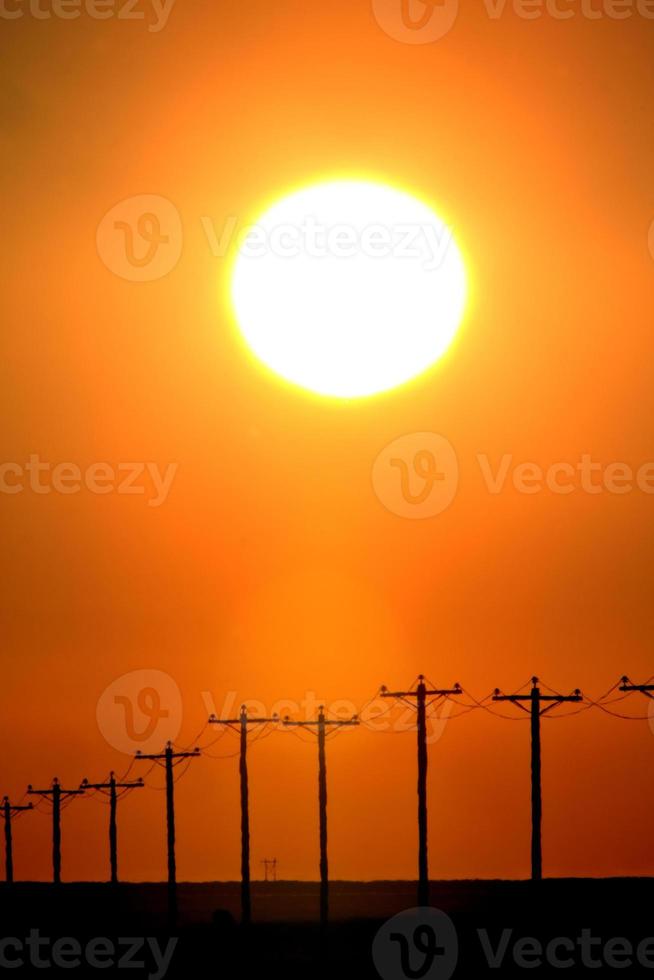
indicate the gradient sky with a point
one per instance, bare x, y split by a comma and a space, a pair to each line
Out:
273, 569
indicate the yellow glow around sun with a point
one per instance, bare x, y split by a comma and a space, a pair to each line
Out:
349, 288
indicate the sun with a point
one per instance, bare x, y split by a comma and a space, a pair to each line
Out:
348, 288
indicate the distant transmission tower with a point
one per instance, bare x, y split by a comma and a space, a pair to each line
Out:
270, 869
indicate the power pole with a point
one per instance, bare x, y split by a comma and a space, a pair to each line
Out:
168, 757
321, 726
113, 786
536, 699
243, 721
421, 694
628, 687
58, 794
8, 812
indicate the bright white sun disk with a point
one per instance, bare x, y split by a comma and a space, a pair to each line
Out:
349, 288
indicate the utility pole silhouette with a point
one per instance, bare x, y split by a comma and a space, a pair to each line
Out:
645, 689
270, 864
168, 757
421, 694
536, 699
8, 812
243, 721
320, 727
58, 794
113, 786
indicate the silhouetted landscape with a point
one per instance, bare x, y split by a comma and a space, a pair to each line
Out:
327, 489
284, 937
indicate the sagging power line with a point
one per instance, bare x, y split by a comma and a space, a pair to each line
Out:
57, 796
627, 686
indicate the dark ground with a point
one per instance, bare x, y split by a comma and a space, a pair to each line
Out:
284, 941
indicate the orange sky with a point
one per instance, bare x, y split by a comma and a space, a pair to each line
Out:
272, 569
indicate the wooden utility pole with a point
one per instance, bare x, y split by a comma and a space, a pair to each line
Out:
243, 721
320, 727
421, 694
168, 757
58, 794
536, 698
112, 786
628, 687
8, 812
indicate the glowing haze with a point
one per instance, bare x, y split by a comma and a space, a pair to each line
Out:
272, 570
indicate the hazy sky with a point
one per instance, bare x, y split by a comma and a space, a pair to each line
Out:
272, 566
